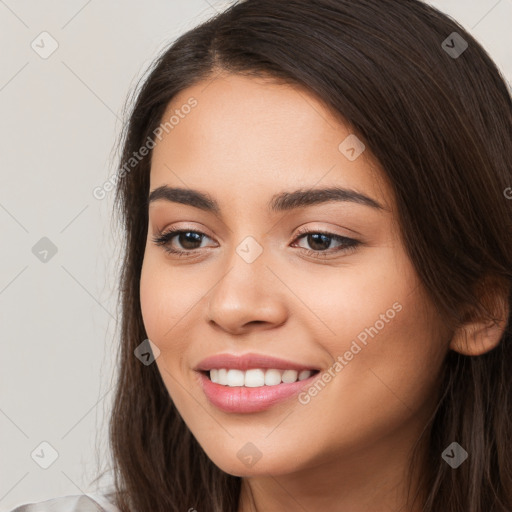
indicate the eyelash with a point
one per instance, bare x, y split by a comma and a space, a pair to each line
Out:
349, 244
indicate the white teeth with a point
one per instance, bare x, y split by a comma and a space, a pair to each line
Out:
256, 377
272, 377
222, 377
235, 378
289, 376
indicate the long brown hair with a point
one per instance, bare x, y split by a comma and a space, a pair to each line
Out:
440, 124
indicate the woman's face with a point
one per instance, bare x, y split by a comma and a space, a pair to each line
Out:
250, 281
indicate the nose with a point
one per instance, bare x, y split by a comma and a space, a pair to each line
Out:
247, 297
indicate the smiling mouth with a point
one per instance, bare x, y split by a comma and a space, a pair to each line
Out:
256, 377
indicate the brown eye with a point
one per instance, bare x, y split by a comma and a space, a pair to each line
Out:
320, 243
189, 240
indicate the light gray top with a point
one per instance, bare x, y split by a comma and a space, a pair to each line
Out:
89, 502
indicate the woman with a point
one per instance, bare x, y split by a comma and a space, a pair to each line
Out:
317, 272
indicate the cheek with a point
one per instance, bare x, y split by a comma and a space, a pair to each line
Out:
352, 300
166, 301
385, 330
409, 355
167, 304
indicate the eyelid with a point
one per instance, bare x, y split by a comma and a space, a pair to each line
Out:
349, 244
306, 227
185, 227
300, 230
333, 230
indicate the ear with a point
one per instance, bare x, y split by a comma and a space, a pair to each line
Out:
478, 335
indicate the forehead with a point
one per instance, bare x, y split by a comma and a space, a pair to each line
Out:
247, 135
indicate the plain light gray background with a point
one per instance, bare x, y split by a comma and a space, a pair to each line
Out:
60, 118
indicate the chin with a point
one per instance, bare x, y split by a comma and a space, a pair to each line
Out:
247, 461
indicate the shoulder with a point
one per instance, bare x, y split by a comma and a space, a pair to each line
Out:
75, 503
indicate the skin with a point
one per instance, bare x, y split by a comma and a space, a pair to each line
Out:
349, 447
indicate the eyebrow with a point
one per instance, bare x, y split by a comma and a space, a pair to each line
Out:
283, 201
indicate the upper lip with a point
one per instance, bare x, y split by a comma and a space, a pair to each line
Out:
248, 361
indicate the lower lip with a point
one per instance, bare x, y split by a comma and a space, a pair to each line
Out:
245, 400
